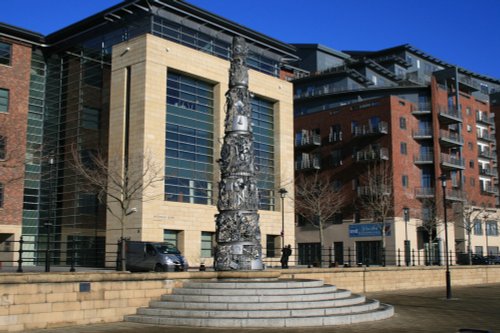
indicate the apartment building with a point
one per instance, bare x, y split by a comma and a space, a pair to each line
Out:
142, 78
406, 118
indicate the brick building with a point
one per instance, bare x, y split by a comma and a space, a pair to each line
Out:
140, 77
15, 147
401, 112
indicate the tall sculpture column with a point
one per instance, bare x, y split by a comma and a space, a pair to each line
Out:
237, 224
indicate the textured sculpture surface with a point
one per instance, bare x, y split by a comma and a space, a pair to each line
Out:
237, 224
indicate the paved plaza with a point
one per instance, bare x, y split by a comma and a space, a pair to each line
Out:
423, 310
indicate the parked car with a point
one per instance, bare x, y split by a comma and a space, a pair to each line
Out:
151, 256
493, 260
477, 259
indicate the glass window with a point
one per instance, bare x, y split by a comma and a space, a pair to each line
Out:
478, 228
5, 53
87, 204
404, 148
90, 118
402, 122
263, 127
404, 181
478, 250
207, 244
271, 246
1, 195
491, 228
189, 140
172, 237
4, 100
3, 147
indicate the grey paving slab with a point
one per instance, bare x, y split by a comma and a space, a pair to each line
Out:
423, 310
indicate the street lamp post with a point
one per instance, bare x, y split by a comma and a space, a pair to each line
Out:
406, 214
282, 193
448, 277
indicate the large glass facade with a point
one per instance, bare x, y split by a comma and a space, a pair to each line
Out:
189, 140
205, 42
263, 129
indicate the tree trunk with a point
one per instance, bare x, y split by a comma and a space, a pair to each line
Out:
321, 242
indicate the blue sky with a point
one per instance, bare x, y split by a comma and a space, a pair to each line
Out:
461, 32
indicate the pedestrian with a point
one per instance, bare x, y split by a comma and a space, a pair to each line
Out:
286, 253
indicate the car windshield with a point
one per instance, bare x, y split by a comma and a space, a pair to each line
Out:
167, 249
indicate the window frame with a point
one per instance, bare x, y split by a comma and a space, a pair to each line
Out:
203, 250
6, 98
9, 54
3, 147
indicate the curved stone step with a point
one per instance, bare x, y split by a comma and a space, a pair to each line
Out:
264, 313
351, 300
382, 312
240, 291
339, 293
269, 284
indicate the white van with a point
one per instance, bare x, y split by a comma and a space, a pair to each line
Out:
151, 256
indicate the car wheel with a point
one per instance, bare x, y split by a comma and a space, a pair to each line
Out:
159, 268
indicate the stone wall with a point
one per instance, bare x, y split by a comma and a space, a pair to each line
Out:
33, 301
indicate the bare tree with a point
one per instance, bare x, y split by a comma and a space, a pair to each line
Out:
468, 214
375, 196
119, 184
431, 220
317, 201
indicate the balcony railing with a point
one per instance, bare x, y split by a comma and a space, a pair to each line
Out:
381, 128
448, 138
424, 158
482, 118
308, 162
422, 133
455, 195
308, 139
424, 192
452, 162
373, 190
489, 189
372, 155
421, 108
483, 135
491, 172
449, 116
485, 153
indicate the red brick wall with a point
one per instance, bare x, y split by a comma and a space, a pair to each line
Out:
13, 124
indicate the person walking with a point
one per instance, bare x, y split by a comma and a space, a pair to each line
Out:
286, 252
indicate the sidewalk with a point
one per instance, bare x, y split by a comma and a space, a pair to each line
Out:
423, 310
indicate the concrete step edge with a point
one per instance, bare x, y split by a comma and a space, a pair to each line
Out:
383, 312
351, 300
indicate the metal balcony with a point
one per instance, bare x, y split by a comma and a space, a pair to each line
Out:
310, 140
372, 155
308, 163
451, 162
490, 190
373, 190
424, 158
485, 136
449, 116
481, 118
450, 139
491, 172
424, 192
485, 154
421, 109
422, 134
366, 130
455, 195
